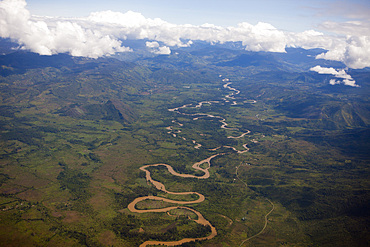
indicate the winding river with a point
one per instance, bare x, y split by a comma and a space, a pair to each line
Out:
196, 166
201, 220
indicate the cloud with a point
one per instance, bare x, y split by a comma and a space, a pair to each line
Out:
155, 48
347, 9
349, 28
101, 33
131, 25
313, 39
64, 37
354, 51
334, 82
342, 74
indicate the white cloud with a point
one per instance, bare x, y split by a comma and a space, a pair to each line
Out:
261, 37
155, 48
357, 52
131, 25
354, 51
152, 44
334, 82
164, 50
349, 28
313, 39
64, 37
130, 19
342, 74
99, 34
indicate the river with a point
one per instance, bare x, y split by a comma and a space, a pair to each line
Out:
196, 166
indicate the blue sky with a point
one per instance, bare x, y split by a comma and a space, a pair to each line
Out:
290, 15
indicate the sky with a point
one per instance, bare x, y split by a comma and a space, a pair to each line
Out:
288, 15
95, 28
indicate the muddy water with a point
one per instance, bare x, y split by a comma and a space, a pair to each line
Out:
201, 220
160, 186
